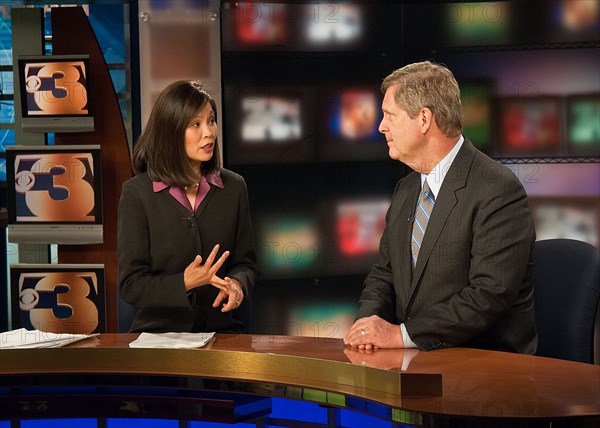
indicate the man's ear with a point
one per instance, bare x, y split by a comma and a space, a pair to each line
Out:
425, 120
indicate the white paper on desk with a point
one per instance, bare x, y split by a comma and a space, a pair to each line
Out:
27, 339
172, 340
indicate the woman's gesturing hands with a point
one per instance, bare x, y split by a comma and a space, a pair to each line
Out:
198, 274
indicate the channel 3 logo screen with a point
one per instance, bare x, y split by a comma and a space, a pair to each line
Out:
61, 302
56, 187
56, 88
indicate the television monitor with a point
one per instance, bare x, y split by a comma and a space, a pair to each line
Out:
583, 124
572, 20
54, 194
58, 298
272, 125
476, 24
288, 245
322, 319
477, 99
332, 26
356, 226
55, 93
301, 26
359, 226
258, 26
567, 217
530, 126
261, 24
352, 117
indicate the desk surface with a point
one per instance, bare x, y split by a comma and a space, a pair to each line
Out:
475, 383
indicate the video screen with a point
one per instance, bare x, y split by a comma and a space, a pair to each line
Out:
55, 93
54, 194
354, 230
530, 126
58, 298
477, 99
573, 20
330, 319
583, 124
359, 226
288, 245
333, 26
477, 24
567, 217
353, 115
275, 120
270, 125
261, 24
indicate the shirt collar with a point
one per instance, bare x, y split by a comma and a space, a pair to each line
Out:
436, 176
212, 177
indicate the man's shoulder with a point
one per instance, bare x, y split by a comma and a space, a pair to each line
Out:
492, 171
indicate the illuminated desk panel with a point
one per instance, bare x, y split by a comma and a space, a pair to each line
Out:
241, 370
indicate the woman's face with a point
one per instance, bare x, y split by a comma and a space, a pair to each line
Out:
200, 136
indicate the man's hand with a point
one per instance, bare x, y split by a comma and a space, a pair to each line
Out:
374, 332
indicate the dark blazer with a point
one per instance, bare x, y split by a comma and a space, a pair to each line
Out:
158, 238
472, 285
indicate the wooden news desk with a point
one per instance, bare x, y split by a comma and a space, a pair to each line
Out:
233, 378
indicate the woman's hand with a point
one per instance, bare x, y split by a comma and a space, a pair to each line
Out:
234, 294
198, 274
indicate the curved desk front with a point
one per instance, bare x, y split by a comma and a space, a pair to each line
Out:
233, 378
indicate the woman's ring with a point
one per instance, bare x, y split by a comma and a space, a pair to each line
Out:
363, 332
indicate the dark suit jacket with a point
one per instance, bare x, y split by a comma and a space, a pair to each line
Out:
472, 285
158, 238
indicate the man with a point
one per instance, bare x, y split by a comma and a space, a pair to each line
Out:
456, 256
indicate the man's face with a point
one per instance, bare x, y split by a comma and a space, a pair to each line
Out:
402, 133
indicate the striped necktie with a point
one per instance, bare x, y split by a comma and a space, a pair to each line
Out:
422, 213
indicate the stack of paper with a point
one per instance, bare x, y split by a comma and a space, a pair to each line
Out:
25, 339
172, 340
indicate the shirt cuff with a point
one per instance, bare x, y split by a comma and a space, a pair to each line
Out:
408, 344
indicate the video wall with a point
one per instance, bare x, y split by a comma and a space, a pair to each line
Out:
530, 125
302, 107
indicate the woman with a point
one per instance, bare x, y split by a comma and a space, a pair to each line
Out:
185, 240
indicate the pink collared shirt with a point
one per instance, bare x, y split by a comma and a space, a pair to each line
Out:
178, 193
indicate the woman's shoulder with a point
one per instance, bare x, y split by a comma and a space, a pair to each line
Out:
229, 176
138, 181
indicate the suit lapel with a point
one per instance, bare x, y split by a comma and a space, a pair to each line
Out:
204, 202
445, 202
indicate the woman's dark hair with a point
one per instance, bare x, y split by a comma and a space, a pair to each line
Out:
160, 150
